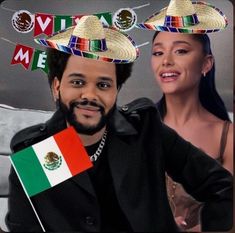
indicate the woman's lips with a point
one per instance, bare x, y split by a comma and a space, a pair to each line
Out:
169, 76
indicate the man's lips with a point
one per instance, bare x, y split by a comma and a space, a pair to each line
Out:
88, 110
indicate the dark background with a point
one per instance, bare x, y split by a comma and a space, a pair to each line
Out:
28, 89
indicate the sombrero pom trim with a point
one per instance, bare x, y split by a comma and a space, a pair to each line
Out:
89, 54
148, 26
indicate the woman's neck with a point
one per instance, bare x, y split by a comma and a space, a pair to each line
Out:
181, 110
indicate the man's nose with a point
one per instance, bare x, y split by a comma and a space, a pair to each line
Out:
89, 92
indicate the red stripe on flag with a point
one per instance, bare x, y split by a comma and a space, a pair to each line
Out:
73, 151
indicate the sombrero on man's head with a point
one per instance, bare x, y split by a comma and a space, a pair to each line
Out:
184, 16
90, 39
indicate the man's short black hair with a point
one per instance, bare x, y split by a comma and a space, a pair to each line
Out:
57, 62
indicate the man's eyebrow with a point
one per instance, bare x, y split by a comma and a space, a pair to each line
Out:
79, 75
76, 75
106, 79
174, 43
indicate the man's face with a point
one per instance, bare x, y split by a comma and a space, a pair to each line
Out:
87, 93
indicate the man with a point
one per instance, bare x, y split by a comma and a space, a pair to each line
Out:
130, 148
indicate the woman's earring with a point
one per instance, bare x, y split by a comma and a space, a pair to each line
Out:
204, 74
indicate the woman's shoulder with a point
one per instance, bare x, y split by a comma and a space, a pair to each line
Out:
223, 132
228, 152
206, 133
217, 128
213, 122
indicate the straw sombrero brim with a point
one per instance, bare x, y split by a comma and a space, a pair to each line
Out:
120, 47
211, 19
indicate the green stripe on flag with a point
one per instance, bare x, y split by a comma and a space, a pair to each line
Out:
30, 171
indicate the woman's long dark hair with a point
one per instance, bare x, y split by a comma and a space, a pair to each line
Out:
208, 94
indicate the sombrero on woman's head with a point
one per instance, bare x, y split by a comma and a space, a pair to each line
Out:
184, 16
90, 39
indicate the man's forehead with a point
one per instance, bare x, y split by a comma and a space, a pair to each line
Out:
89, 62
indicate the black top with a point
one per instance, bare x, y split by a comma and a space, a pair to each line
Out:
112, 217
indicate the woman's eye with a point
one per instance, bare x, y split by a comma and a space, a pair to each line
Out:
181, 51
158, 53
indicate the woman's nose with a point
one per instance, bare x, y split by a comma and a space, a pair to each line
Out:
167, 60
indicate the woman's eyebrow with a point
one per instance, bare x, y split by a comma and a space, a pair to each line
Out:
174, 42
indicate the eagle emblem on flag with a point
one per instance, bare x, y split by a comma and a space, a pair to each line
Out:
52, 161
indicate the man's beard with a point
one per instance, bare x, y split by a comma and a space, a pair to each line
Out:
72, 120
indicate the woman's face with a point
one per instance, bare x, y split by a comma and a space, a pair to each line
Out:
178, 62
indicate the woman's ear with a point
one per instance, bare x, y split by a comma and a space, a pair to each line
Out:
208, 63
55, 87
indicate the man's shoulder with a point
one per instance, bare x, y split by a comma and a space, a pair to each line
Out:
28, 136
38, 132
137, 105
130, 117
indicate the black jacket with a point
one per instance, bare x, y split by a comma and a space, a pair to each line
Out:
140, 150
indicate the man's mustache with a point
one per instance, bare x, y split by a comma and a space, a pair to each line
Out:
86, 103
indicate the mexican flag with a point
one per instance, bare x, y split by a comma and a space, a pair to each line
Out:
50, 162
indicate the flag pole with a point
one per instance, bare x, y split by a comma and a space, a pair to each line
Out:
34, 210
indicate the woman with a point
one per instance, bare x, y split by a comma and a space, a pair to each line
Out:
184, 68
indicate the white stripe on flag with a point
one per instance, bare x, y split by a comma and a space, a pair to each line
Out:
54, 176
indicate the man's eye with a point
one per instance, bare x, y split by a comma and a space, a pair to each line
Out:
158, 53
104, 85
77, 82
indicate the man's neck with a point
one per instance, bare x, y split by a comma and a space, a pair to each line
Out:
88, 140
